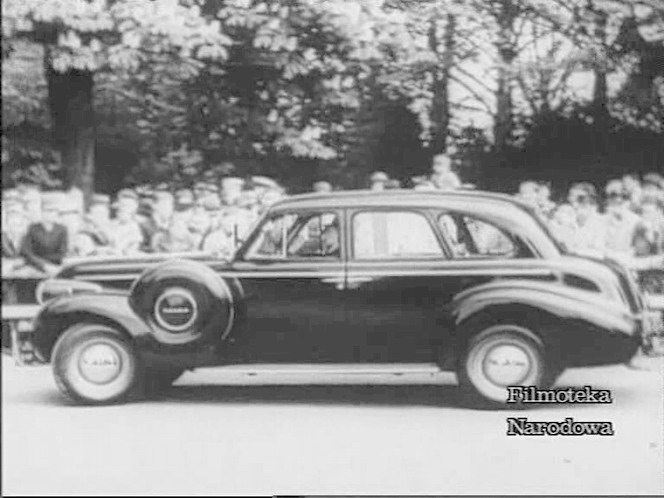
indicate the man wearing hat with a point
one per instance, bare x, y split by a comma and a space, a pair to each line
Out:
442, 175
126, 236
378, 181
46, 243
322, 187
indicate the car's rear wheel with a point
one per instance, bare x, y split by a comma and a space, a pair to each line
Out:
501, 356
94, 364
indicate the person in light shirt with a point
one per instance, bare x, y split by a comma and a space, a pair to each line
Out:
621, 222
125, 234
591, 236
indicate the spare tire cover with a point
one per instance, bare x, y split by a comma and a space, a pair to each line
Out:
184, 302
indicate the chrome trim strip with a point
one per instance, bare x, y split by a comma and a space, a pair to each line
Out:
353, 274
331, 368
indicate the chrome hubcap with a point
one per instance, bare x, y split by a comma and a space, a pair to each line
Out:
506, 365
100, 363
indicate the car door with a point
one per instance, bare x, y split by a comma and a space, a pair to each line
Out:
395, 293
405, 267
292, 275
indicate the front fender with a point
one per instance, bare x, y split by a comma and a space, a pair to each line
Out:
109, 308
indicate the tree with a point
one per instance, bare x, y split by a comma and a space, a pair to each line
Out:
83, 38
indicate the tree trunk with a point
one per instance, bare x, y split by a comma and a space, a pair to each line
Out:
507, 53
600, 90
73, 125
440, 111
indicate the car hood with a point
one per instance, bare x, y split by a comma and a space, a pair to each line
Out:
130, 267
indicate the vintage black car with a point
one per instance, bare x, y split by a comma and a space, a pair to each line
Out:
398, 281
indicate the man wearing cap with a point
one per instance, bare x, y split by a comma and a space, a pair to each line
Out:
161, 215
378, 181
442, 175
126, 236
46, 243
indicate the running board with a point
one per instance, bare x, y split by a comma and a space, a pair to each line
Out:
325, 373
331, 369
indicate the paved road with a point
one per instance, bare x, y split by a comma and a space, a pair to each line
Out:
204, 438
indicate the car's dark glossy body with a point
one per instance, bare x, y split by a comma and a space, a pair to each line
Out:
377, 311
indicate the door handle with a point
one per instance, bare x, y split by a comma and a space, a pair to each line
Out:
356, 282
347, 283
338, 282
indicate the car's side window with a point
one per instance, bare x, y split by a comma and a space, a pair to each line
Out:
296, 236
393, 235
471, 237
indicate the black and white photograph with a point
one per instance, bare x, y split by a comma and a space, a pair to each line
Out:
332, 248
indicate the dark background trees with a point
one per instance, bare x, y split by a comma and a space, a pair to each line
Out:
100, 93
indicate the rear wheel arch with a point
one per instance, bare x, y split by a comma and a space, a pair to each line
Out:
540, 325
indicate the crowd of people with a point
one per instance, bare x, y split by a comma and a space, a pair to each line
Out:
41, 230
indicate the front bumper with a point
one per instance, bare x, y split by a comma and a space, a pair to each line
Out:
652, 331
17, 327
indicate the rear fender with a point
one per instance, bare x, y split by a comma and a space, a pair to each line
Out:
571, 306
575, 327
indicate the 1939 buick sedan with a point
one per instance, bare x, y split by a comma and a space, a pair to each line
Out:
400, 281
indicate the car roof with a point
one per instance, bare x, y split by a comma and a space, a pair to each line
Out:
398, 198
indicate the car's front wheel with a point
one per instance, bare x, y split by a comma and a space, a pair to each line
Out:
94, 364
502, 356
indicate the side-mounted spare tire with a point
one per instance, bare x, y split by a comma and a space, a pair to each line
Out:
184, 302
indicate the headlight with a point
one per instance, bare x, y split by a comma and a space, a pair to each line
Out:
50, 289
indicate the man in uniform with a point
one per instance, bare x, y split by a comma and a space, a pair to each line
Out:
161, 215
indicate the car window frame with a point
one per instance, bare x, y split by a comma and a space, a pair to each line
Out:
247, 255
428, 214
514, 239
